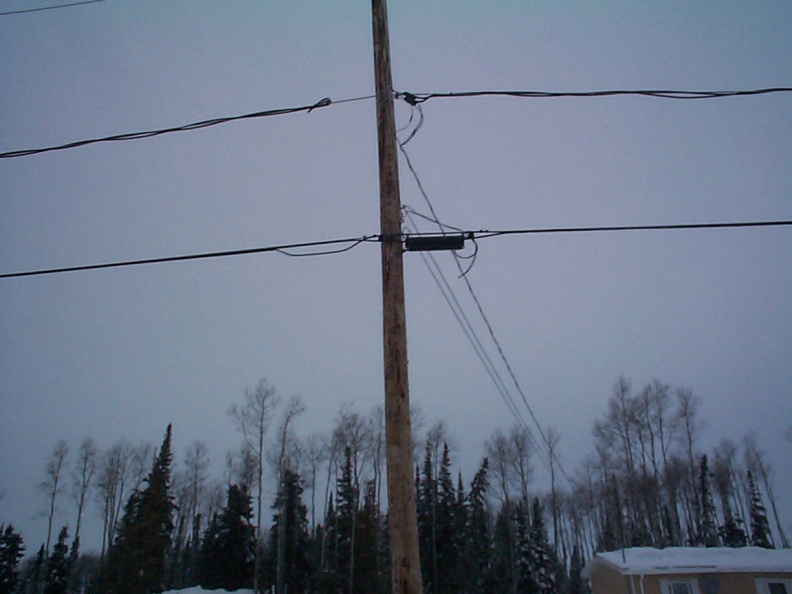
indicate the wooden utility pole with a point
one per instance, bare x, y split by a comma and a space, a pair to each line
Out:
402, 523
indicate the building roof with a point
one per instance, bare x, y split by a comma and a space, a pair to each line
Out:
682, 560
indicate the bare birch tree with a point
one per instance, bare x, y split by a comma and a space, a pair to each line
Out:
196, 462
553, 438
252, 420
354, 436
141, 462
314, 455
377, 435
286, 460
332, 445
110, 480
521, 450
82, 480
52, 485
690, 428
498, 451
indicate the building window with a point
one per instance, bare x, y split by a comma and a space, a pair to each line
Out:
773, 586
680, 586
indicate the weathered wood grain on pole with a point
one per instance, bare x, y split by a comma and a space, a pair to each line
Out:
402, 523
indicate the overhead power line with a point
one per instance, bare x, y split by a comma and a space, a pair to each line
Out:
485, 359
486, 233
50, 7
483, 234
418, 98
352, 241
411, 98
467, 327
462, 318
355, 241
184, 128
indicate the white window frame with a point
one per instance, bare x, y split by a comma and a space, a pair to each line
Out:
763, 584
665, 585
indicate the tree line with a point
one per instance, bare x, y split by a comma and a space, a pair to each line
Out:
164, 527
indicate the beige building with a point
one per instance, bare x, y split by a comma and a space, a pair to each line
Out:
688, 570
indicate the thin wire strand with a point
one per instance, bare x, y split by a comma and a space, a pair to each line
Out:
415, 99
487, 233
355, 241
50, 7
409, 210
408, 124
185, 128
508, 366
470, 333
322, 253
472, 336
611, 228
471, 257
353, 99
415, 175
467, 326
484, 234
412, 134
508, 397
486, 322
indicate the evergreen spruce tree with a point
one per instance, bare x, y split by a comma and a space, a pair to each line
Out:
119, 567
731, 533
708, 532
760, 526
56, 579
368, 531
137, 561
669, 538
575, 582
328, 579
446, 540
295, 533
12, 549
543, 560
502, 574
346, 510
610, 533
208, 566
226, 557
525, 581
477, 550
76, 576
460, 510
425, 512
384, 566
83, 573
331, 535
36, 576
459, 523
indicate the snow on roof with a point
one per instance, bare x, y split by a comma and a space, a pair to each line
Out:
681, 560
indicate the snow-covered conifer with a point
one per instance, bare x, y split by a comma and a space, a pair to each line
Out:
760, 526
12, 549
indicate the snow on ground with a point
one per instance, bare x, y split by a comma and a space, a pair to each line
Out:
646, 560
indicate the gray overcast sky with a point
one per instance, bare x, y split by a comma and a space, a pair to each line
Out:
124, 352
